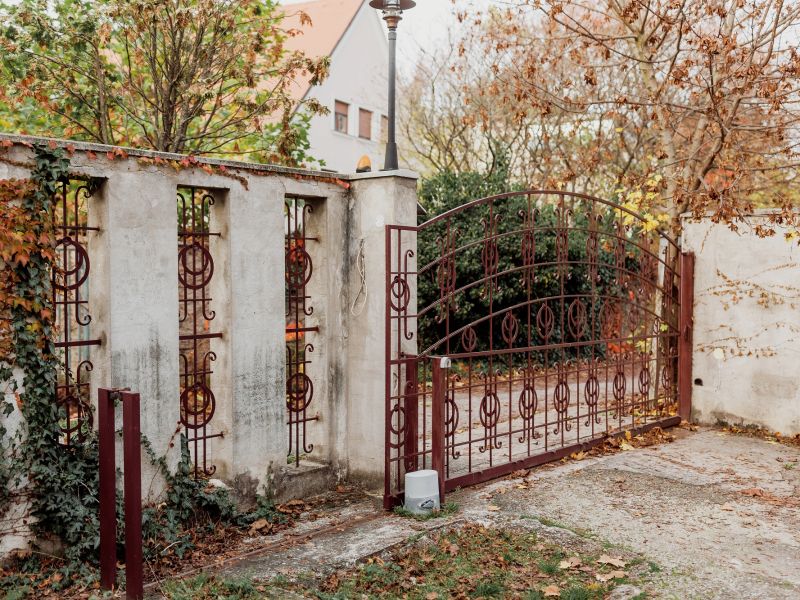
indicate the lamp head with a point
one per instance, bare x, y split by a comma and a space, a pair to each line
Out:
392, 4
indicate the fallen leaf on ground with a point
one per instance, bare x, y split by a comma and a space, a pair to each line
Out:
493, 508
570, 563
614, 561
604, 577
259, 525
551, 591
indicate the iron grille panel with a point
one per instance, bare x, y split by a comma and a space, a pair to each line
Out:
196, 317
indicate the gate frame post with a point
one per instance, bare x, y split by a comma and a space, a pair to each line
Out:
440, 366
411, 411
685, 346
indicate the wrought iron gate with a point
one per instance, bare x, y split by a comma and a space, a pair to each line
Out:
564, 318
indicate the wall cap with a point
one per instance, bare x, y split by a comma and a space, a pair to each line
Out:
399, 173
230, 164
759, 212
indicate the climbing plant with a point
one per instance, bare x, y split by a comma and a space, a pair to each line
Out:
61, 481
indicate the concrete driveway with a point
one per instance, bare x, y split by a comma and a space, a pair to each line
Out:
711, 515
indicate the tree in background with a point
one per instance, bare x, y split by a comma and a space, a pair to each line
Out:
449, 123
671, 106
197, 76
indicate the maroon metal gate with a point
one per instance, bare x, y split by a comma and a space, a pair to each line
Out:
564, 318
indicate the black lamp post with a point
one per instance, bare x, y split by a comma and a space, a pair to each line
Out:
392, 14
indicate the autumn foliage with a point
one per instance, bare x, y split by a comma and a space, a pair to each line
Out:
668, 106
17, 242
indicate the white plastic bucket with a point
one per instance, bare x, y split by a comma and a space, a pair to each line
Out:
422, 491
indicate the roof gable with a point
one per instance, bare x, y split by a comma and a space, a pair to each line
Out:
330, 20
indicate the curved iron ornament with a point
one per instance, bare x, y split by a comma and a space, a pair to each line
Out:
299, 270
575, 338
70, 279
198, 403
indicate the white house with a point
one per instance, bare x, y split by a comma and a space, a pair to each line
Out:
354, 36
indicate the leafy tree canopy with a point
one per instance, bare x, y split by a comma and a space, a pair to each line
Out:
195, 76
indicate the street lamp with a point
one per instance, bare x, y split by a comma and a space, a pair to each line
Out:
392, 13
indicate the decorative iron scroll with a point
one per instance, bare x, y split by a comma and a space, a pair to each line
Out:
195, 316
70, 282
299, 270
559, 314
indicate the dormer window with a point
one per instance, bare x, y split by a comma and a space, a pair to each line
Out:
340, 116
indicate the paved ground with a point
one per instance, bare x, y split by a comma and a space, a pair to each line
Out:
715, 515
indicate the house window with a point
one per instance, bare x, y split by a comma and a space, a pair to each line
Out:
384, 129
340, 116
364, 124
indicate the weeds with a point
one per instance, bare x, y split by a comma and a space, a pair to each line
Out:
449, 508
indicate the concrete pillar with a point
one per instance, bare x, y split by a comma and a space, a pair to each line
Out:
255, 333
378, 199
134, 300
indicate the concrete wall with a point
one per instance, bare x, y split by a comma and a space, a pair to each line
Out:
134, 297
746, 325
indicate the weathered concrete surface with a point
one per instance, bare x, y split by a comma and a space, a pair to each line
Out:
681, 506
678, 506
746, 320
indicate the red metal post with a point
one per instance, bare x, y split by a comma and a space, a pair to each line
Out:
108, 492
439, 394
133, 496
685, 339
388, 500
411, 409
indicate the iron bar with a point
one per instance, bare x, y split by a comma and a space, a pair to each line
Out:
439, 379
685, 343
132, 475
108, 490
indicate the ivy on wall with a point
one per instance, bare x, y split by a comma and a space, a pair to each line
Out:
60, 481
